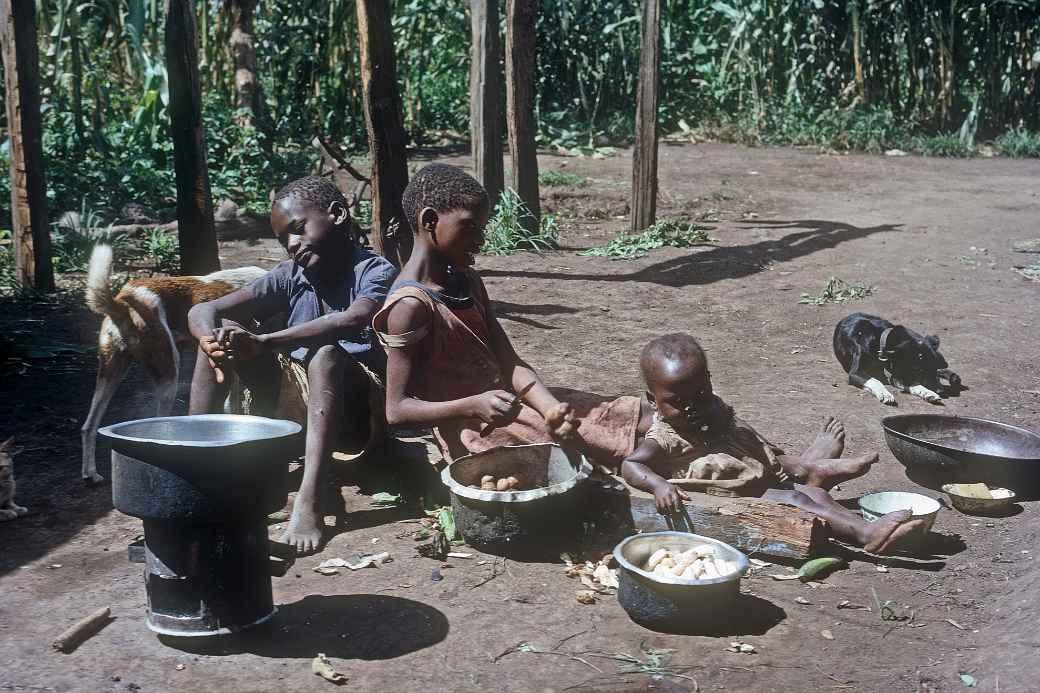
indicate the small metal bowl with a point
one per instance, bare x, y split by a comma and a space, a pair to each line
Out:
980, 506
674, 603
874, 505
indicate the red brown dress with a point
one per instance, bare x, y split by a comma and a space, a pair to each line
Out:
456, 360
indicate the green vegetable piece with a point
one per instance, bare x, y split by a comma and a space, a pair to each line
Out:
820, 567
384, 498
446, 519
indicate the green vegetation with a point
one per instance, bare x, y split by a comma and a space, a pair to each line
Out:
1018, 144
838, 291
675, 234
511, 228
932, 77
554, 179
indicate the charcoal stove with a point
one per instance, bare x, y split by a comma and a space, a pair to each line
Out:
203, 486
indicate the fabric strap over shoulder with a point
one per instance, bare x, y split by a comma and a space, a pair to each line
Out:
404, 339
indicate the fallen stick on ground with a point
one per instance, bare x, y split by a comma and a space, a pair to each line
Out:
73, 636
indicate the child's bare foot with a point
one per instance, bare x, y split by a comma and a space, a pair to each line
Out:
829, 473
305, 525
829, 443
879, 536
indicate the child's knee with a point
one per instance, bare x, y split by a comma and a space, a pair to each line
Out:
327, 360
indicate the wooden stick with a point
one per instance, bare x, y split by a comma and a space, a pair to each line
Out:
73, 636
337, 155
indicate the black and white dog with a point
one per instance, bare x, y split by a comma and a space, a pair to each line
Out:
874, 352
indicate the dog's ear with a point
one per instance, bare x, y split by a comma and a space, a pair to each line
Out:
933, 341
6, 445
898, 337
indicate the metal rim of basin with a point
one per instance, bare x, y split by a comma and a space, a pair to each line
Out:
889, 423
730, 553
271, 429
458, 489
865, 503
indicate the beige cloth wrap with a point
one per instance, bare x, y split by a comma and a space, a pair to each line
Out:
736, 459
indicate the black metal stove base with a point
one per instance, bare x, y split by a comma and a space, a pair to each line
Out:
206, 579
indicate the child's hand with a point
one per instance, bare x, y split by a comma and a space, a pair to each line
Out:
668, 498
238, 343
495, 406
562, 422
216, 354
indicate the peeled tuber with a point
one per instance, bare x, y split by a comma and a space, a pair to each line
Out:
506, 483
695, 563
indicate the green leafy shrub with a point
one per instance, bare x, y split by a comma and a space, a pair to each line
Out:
948, 145
675, 234
510, 228
837, 291
1018, 144
164, 250
553, 179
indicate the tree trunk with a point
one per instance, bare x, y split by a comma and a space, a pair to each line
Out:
77, 79
386, 137
644, 155
520, 56
485, 89
243, 48
195, 229
32, 240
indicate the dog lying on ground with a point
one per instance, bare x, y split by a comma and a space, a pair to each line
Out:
145, 322
875, 353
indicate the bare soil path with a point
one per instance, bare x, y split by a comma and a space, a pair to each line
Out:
933, 236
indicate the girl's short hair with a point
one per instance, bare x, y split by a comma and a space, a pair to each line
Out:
442, 187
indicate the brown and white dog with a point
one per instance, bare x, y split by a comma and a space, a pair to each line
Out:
145, 321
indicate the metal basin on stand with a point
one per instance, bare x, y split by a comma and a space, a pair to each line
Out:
203, 486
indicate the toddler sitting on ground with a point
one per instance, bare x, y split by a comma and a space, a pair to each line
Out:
697, 440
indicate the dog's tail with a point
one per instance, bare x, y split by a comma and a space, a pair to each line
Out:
99, 285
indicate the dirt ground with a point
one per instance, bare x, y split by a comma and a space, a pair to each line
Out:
932, 235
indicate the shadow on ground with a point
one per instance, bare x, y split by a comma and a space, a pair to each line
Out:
729, 262
356, 626
749, 615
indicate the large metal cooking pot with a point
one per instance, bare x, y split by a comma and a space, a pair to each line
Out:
938, 449
543, 515
201, 468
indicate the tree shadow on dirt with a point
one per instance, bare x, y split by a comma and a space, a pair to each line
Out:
354, 626
516, 312
729, 262
48, 381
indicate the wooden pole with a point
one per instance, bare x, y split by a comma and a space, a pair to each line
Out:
32, 239
392, 235
520, 54
243, 48
485, 90
195, 229
644, 155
